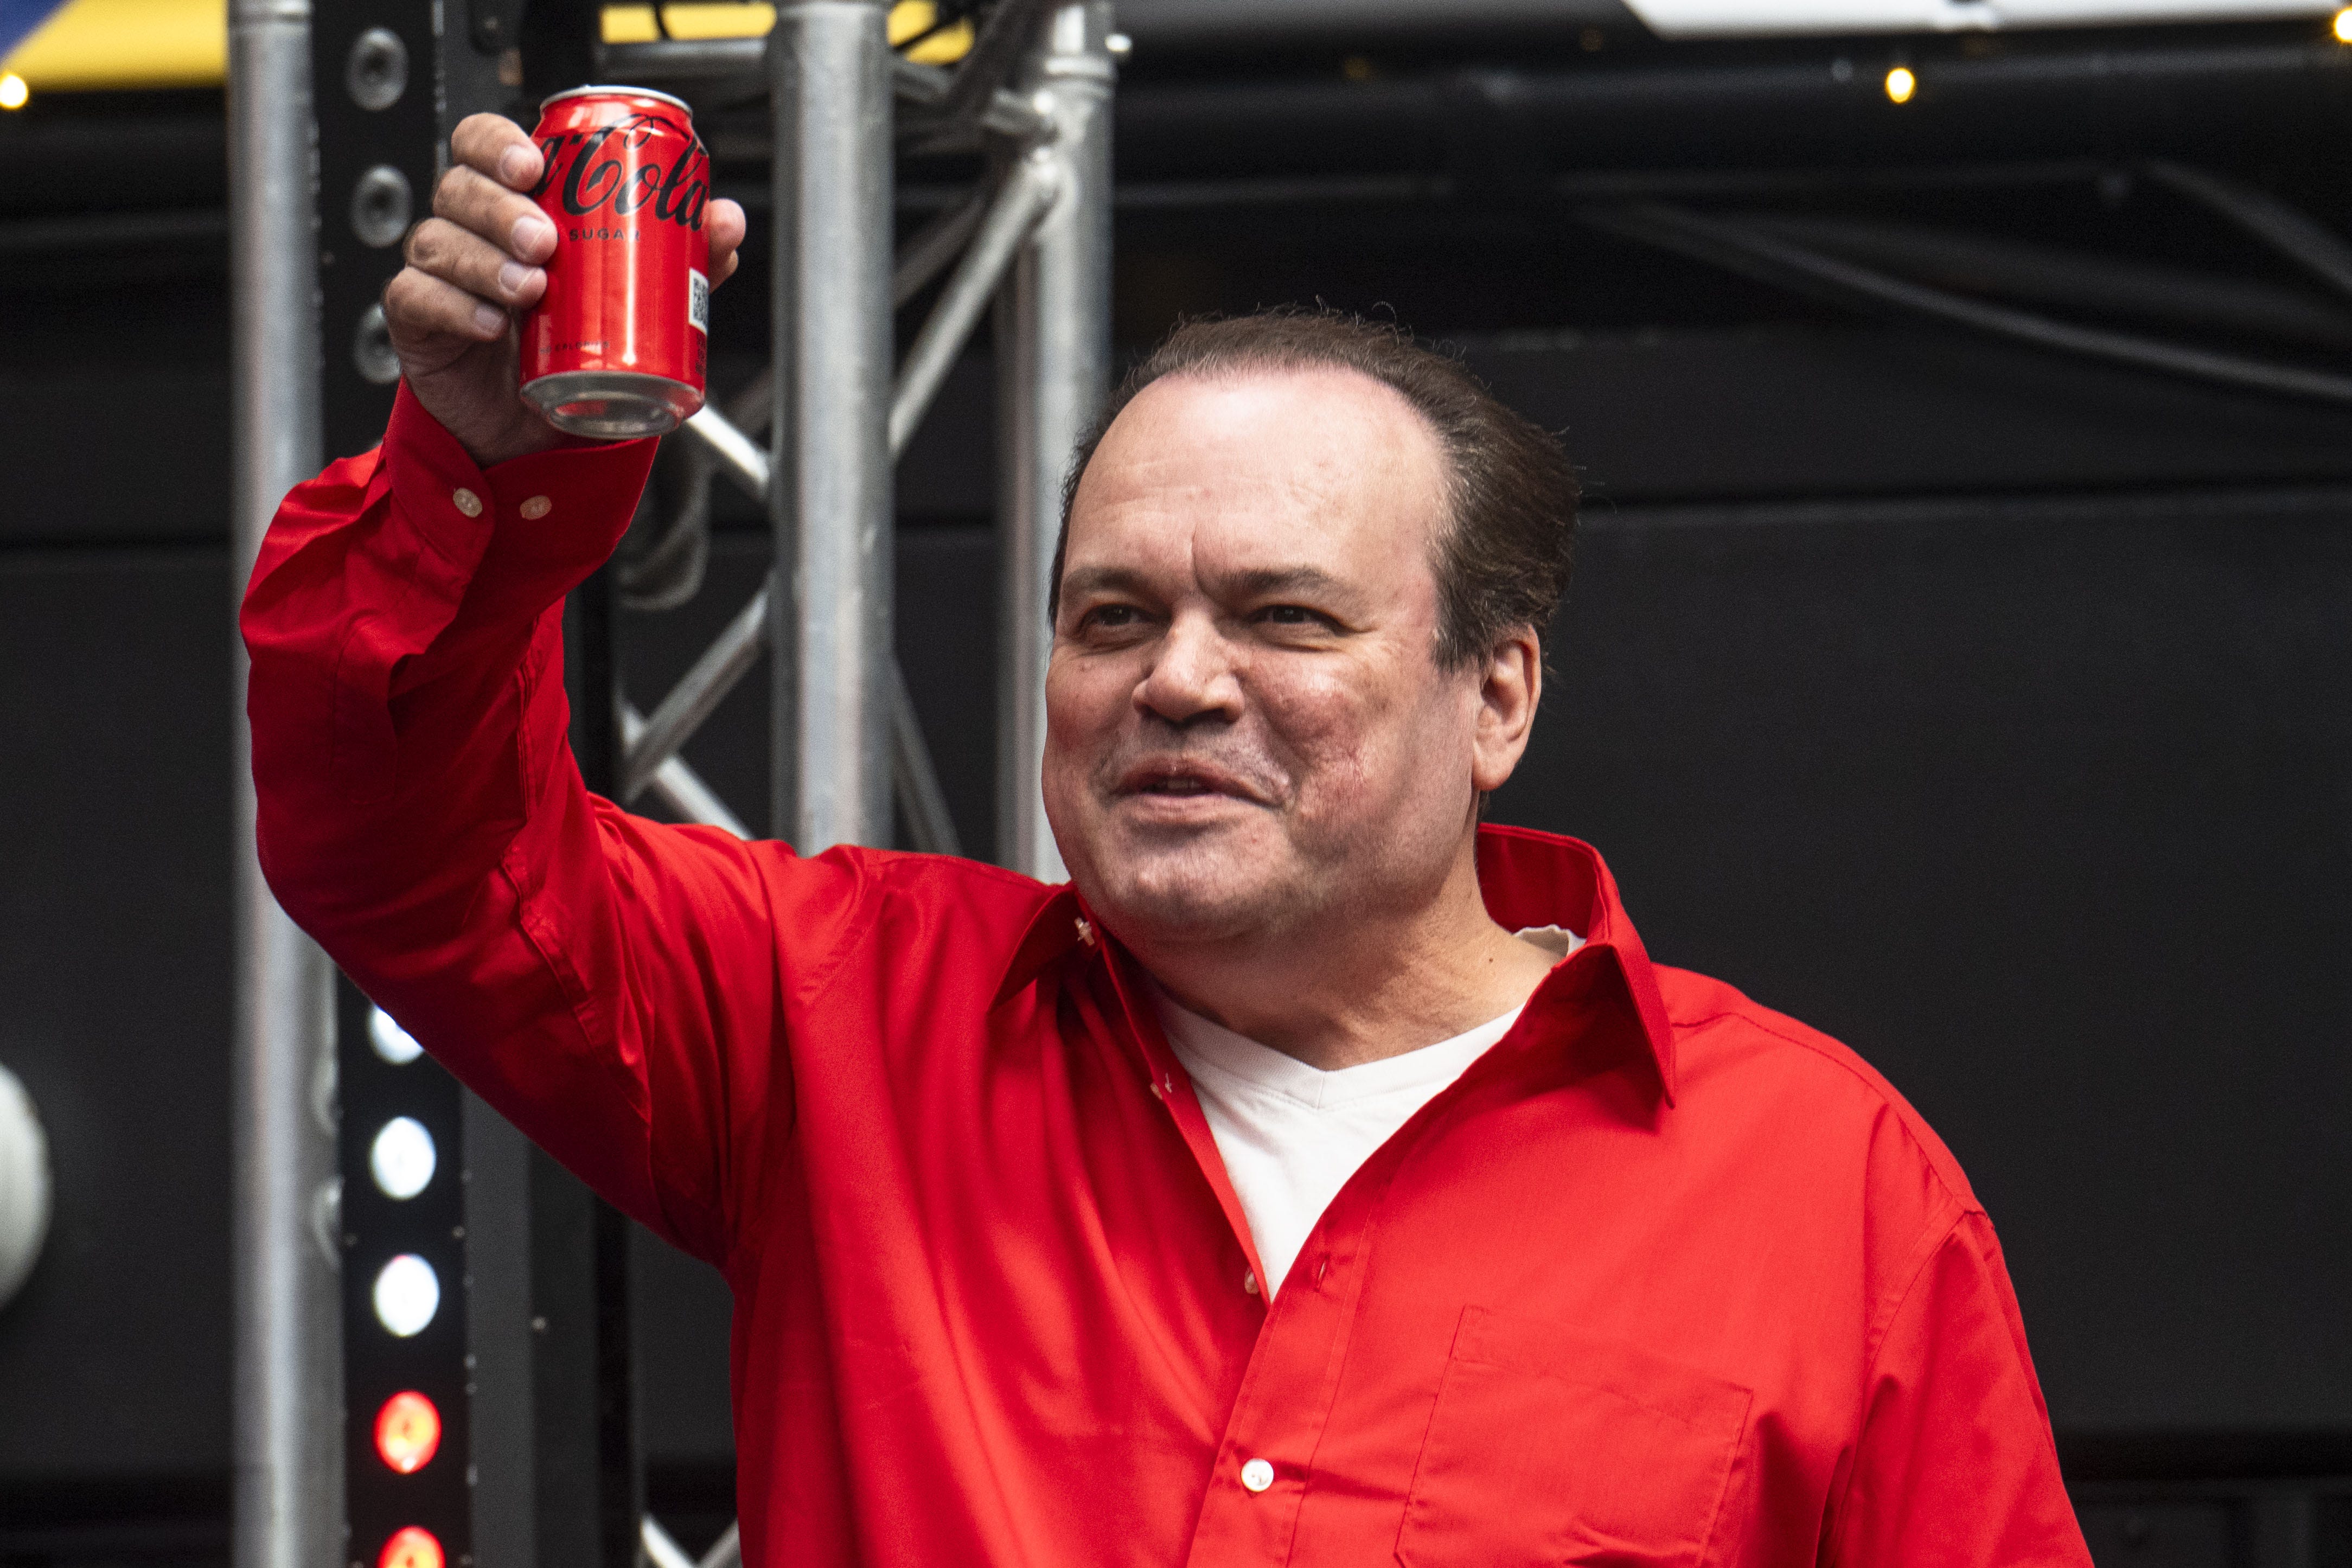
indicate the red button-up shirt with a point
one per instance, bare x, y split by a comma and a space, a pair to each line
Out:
1664, 1278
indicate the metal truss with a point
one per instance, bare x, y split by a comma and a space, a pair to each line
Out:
661, 1552
1033, 241
1031, 246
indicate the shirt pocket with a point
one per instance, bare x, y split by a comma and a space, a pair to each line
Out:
1548, 1446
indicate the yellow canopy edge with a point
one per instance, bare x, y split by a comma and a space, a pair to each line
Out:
97, 45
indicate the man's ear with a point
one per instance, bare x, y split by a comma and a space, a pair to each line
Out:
1508, 695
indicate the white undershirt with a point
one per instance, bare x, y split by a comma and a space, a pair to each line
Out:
1291, 1135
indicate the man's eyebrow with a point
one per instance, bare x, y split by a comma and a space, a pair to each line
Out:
1258, 582
1265, 582
1079, 582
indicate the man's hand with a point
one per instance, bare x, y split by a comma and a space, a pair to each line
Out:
477, 260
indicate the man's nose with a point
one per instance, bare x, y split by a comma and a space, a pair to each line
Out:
1192, 674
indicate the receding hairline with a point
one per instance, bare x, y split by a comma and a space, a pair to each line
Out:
1274, 365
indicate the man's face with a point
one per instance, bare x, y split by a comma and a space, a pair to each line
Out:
1247, 728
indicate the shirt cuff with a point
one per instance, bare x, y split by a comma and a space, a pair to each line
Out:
553, 510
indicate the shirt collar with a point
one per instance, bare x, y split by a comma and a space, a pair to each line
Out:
1052, 931
1603, 999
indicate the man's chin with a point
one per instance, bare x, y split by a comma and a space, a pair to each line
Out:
1202, 893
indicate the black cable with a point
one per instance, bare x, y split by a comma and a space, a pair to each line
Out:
1778, 262
2288, 230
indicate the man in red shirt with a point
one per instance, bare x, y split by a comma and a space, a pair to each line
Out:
1320, 1178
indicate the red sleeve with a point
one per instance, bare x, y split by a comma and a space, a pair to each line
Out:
608, 983
1954, 1464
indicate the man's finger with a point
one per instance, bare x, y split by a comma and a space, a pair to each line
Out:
512, 223
726, 224
497, 148
442, 250
417, 305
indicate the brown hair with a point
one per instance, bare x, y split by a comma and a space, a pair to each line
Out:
1503, 557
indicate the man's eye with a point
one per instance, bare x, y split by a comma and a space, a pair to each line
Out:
1108, 617
1292, 616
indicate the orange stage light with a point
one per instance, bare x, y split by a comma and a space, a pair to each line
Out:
411, 1546
407, 1435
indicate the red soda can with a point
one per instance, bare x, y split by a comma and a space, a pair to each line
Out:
619, 346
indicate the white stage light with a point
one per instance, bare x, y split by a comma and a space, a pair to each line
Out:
407, 1294
24, 1186
402, 1158
392, 1042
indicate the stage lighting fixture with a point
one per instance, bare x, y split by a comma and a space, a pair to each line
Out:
392, 1042
407, 1432
12, 92
402, 1158
1901, 84
2343, 25
411, 1547
407, 1294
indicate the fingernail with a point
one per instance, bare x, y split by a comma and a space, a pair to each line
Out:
514, 166
490, 318
513, 275
529, 231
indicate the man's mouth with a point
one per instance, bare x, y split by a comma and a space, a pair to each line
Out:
1179, 781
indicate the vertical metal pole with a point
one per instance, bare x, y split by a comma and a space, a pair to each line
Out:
1054, 368
829, 68
289, 1353
584, 1386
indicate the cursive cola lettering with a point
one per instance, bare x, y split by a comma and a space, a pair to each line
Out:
689, 196
592, 168
587, 189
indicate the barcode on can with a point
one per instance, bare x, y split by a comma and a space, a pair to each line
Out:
698, 301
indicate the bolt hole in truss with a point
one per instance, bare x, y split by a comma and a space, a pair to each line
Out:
1028, 93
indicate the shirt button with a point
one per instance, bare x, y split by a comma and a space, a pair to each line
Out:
1249, 1283
1257, 1475
536, 508
468, 502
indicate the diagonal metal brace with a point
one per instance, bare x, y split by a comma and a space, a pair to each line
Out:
915, 781
1026, 197
742, 459
652, 760
923, 257
727, 660
679, 786
663, 1552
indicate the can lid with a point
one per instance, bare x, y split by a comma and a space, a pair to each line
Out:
614, 91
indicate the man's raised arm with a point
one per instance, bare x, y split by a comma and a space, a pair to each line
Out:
608, 983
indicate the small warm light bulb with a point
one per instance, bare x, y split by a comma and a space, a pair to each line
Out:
407, 1294
14, 93
407, 1432
1901, 84
411, 1546
2343, 36
402, 1157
